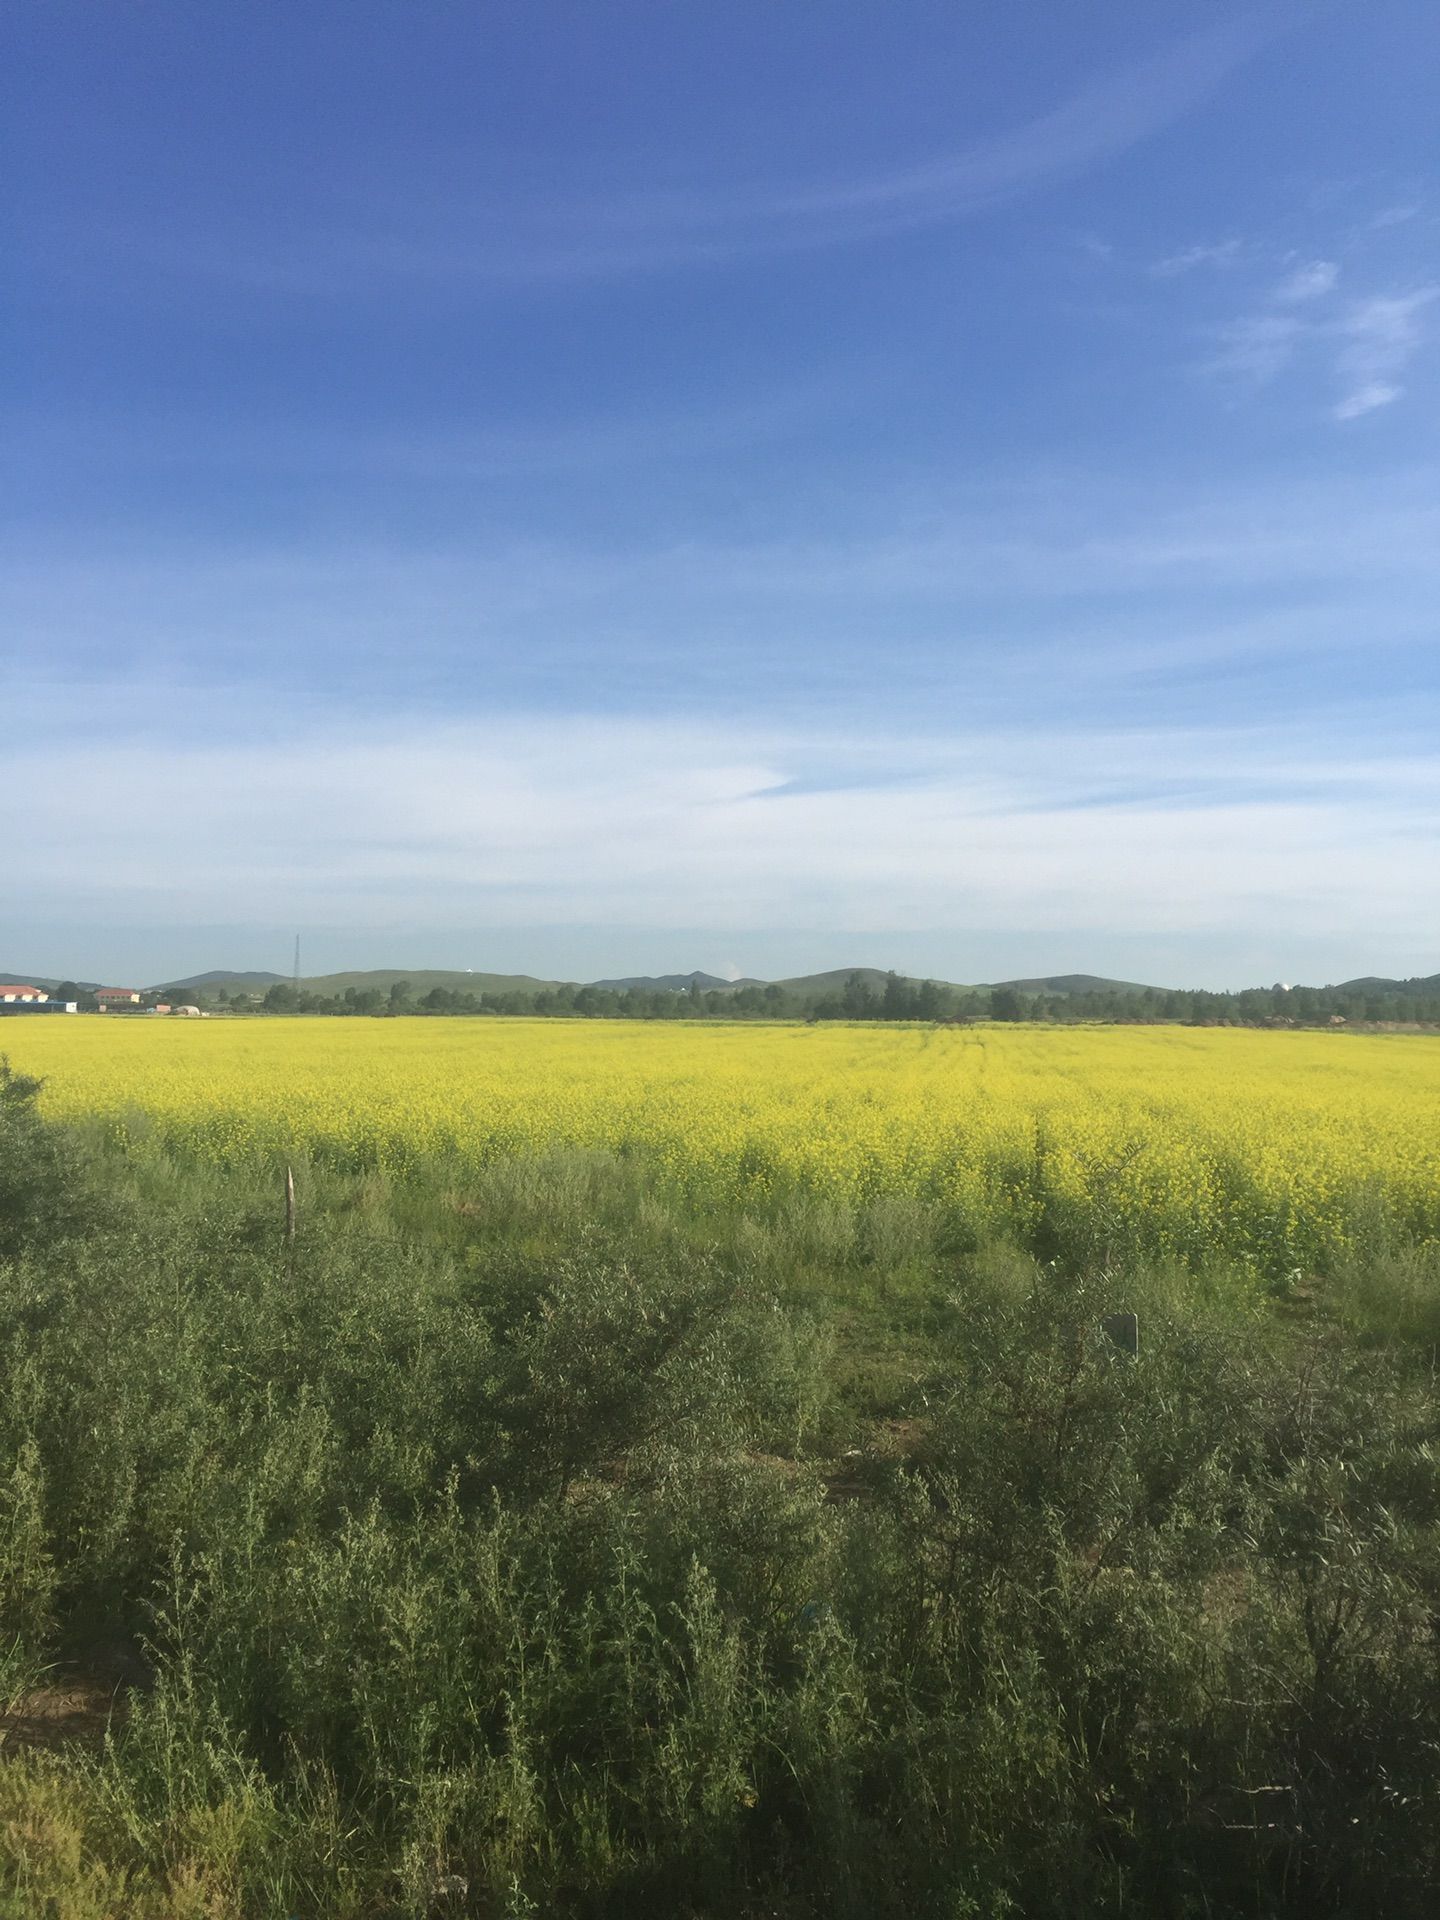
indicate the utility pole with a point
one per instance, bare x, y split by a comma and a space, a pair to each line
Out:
297, 963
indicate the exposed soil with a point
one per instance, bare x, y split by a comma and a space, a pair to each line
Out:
78, 1709
75, 1704
852, 1477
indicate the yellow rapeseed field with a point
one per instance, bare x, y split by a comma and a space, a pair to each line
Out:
1276, 1147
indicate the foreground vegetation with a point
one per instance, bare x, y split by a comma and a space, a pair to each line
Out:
544, 1530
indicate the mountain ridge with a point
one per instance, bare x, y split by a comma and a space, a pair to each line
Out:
813, 985
674, 983
1068, 983
1378, 983
221, 977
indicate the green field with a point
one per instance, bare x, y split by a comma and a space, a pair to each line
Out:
537, 1532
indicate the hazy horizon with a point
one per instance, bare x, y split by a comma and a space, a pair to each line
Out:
337, 954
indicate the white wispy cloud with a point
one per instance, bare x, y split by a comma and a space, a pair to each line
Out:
1363, 345
1010, 795
1379, 337
1030, 553
484, 239
1310, 281
562, 819
1366, 398
1217, 253
1104, 118
1257, 346
287, 443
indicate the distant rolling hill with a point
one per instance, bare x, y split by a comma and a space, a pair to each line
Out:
1071, 983
1062, 983
379, 979
422, 979
219, 978
672, 983
799, 987
807, 984
47, 982
1374, 983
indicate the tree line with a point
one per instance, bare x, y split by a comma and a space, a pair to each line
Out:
896, 999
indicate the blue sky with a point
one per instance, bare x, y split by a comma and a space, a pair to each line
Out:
587, 489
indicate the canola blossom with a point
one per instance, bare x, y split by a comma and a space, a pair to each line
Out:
1281, 1149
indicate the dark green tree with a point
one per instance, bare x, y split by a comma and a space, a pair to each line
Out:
857, 1001
72, 990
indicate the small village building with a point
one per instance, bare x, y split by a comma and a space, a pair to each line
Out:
13, 995
117, 997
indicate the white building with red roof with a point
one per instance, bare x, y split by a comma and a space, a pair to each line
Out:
12, 995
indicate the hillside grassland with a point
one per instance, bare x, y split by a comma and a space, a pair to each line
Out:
686, 1472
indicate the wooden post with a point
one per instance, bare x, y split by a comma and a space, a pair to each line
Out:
289, 1204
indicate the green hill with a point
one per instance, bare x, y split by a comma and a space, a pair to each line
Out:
673, 983
422, 979
800, 989
1375, 983
813, 985
219, 980
45, 981
1070, 983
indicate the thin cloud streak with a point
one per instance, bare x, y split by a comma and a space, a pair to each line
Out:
612, 442
1101, 120
559, 240
1367, 343
1312, 281
1257, 347
1053, 537
1381, 336
573, 819
1218, 253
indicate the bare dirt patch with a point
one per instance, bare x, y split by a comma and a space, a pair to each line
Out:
75, 1710
74, 1705
853, 1476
